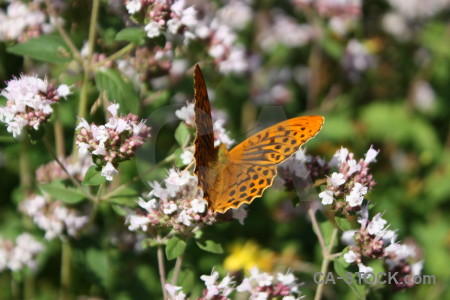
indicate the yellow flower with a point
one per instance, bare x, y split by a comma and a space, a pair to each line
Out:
245, 256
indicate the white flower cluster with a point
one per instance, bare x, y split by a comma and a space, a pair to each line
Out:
285, 31
374, 240
53, 217
29, 101
21, 254
352, 182
257, 286
418, 9
113, 142
22, 21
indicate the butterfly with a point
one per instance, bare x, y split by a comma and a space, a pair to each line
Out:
231, 178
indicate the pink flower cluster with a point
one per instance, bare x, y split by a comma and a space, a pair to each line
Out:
178, 205
53, 217
20, 254
373, 240
29, 101
164, 16
346, 189
113, 142
258, 285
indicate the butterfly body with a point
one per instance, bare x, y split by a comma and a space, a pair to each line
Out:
232, 178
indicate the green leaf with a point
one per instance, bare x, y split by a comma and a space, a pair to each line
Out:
59, 191
342, 269
210, 246
175, 247
93, 177
126, 197
182, 134
49, 48
132, 34
118, 88
99, 265
343, 223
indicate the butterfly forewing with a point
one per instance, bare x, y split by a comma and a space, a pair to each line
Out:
277, 143
204, 152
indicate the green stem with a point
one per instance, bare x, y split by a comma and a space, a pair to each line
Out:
29, 287
162, 270
66, 261
59, 134
25, 169
136, 178
14, 287
177, 269
115, 55
325, 263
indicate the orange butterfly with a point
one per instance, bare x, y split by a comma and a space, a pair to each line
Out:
231, 178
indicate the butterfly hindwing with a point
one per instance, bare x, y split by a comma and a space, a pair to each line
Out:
242, 183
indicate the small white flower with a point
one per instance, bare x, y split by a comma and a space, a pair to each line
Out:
186, 113
339, 157
138, 222
353, 166
83, 148
184, 218
189, 17
109, 171
368, 271
170, 208
133, 6
354, 199
199, 205
173, 25
371, 155
150, 205
63, 90
376, 225
259, 296
174, 292
113, 108
417, 268
101, 150
245, 286
239, 214
348, 237
337, 179
327, 197
210, 280
286, 279
350, 257
153, 29
83, 124
187, 156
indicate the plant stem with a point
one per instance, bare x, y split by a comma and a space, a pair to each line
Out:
136, 178
62, 32
326, 261
115, 55
25, 170
66, 261
177, 269
14, 288
162, 270
59, 134
316, 229
73, 179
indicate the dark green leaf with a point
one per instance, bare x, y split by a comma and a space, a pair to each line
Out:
93, 177
99, 265
132, 34
349, 274
49, 48
182, 134
210, 246
118, 88
175, 247
59, 191
126, 197
343, 223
